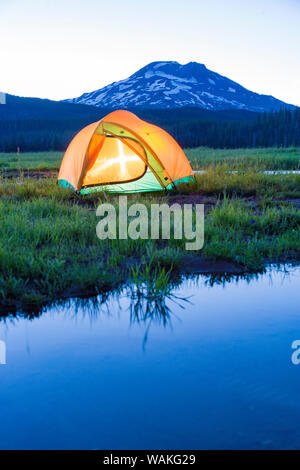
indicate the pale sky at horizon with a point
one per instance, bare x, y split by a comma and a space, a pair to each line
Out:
62, 48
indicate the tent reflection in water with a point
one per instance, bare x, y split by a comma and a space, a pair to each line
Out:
123, 154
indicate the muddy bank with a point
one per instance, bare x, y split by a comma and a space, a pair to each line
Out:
200, 265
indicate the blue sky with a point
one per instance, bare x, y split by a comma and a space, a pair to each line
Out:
61, 48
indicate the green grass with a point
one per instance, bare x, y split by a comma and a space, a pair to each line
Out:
237, 159
237, 233
218, 180
201, 158
30, 161
49, 248
48, 244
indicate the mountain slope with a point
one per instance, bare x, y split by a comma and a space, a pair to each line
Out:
172, 85
19, 108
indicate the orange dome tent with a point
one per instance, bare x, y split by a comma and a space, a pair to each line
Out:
122, 153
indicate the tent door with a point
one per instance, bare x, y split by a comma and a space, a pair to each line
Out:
117, 162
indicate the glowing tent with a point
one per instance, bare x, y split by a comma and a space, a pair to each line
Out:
122, 153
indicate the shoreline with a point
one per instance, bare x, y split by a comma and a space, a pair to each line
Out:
216, 271
49, 248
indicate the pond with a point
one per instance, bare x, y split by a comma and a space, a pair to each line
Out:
214, 371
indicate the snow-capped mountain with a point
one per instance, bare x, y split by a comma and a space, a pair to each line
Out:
172, 85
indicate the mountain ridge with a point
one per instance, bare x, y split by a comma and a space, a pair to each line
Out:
168, 84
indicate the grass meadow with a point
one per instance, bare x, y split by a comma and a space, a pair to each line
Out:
241, 159
30, 161
48, 244
200, 158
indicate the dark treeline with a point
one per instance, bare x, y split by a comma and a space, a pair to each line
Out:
190, 127
39, 134
275, 129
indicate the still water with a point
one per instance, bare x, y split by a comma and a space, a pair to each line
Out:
213, 372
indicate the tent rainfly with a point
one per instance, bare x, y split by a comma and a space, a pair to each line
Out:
123, 154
